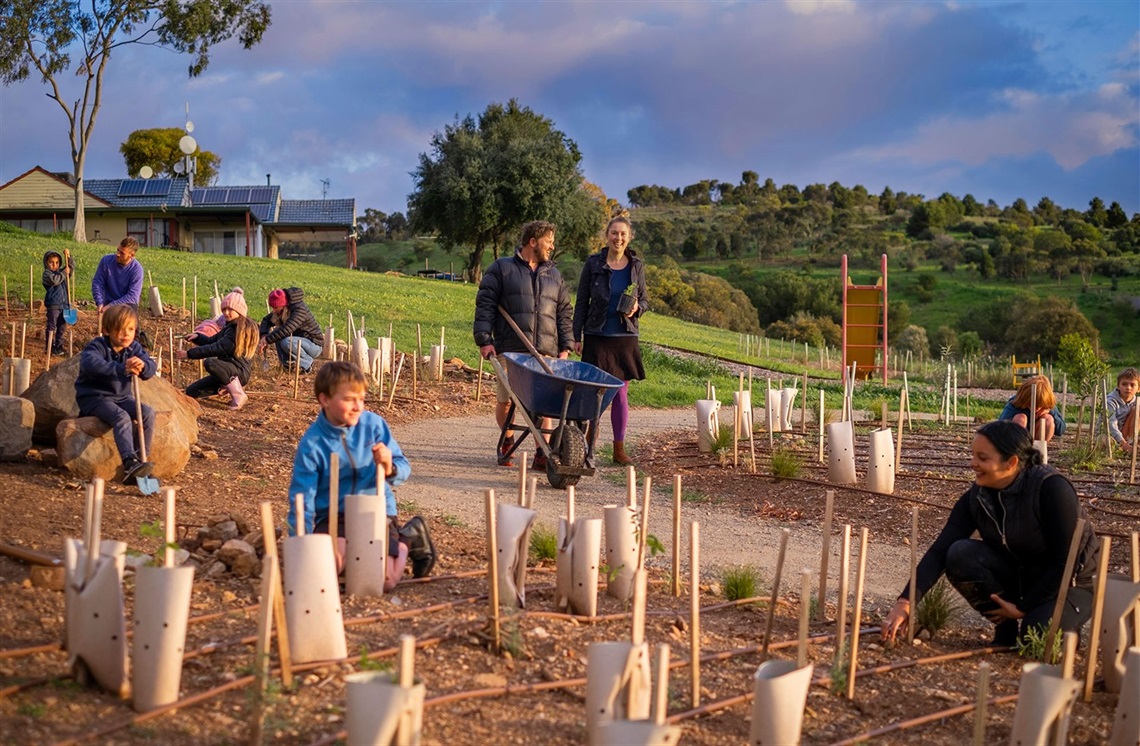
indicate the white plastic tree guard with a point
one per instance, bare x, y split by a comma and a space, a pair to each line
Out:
787, 403
637, 733
162, 608
579, 547
96, 628
215, 306
781, 690
742, 400
313, 614
328, 352
154, 301
1126, 726
881, 468
1042, 447
1044, 706
387, 353
840, 453
621, 549
773, 408
512, 539
618, 685
366, 545
435, 362
1121, 597
17, 376
708, 423
358, 354
381, 712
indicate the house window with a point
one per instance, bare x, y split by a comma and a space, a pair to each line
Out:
44, 225
216, 242
137, 229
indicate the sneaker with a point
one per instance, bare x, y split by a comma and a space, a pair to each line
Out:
504, 459
539, 463
421, 550
133, 469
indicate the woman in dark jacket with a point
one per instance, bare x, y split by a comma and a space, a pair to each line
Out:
227, 355
290, 328
611, 298
1025, 513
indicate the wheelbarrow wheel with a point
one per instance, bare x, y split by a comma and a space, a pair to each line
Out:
571, 452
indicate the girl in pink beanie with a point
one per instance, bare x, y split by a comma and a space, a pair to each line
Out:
227, 355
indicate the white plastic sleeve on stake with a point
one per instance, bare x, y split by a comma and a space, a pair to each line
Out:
621, 549
780, 691
841, 453
312, 599
1126, 725
162, 610
881, 467
1120, 598
366, 545
1044, 698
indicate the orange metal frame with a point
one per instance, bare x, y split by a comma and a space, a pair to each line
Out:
854, 304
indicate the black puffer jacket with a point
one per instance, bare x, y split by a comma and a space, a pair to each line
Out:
1032, 520
299, 324
537, 301
222, 345
593, 300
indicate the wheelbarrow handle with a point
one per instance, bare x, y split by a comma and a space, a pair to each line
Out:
529, 346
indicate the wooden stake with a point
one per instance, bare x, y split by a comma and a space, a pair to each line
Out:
768, 413
194, 308
637, 615
396, 380
1135, 579
805, 614
407, 661
737, 420
173, 362
261, 655
531, 493
299, 512
803, 410
1097, 612
12, 342
821, 426
569, 506
31, 290
911, 599
47, 355
23, 338
983, 694
269, 539
522, 479
775, 596
844, 572
416, 377
676, 535
899, 439
334, 503
168, 528
1059, 606
183, 295
695, 614
661, 700
630, 487
493, 569
6, 296
297, 370
479, 382
858, 612
824, 554
1069, 654
643, 533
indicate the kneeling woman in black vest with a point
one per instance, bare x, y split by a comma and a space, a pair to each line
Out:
1025, 513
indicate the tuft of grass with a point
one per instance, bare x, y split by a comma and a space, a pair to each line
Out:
786, 463
453, 521
1032, 644
938, 607
32, 709
1080, 457
543, 543
692, 496
371, 664
741, 581
838, 672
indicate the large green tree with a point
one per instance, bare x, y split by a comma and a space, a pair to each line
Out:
59, 39
483, 179
158, 148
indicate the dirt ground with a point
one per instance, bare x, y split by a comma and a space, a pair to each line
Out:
246, 457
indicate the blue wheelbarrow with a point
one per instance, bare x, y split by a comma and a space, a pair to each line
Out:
573, 394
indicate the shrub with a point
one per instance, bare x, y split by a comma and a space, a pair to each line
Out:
742, 581
786, 463
543, 543
938, 607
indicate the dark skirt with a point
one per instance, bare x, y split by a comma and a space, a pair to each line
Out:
618, 356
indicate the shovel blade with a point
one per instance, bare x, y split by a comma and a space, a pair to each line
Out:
147, 485
70, 316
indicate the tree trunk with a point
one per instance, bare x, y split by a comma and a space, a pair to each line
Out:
79, 232
475, 262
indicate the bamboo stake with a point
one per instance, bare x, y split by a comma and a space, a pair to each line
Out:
661, 700
676, 535
334, 504
912, 598
694, 614
407, 661
858, 613
269, 539
643, 533
493, 569
416, 377
299, 512
12, 342
805, 613
168, 528
569, 506
906, 388
70, 342
47, 355
844, 572
825, 554
183, 295
983, 693
1135, 444
23, 338
1059, 606
784, 533
396, 380
1064, 393
1097, 613
174, 367
297, 370
261, 655
522, 478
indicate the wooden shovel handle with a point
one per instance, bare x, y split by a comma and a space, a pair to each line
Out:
529, 346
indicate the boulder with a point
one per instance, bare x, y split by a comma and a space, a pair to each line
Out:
17, 418
53, 395
87, 449
233, 549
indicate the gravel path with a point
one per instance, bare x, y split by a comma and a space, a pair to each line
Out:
453, 464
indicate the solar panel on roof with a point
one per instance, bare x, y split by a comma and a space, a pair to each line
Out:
238, 196
156, 187
212, 196
132, 188
261, 195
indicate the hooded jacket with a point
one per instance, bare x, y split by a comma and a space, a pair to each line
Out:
55, 281
1033, 520
353, 446
538, 302
103, 372
221, 345
299, 324
593, 299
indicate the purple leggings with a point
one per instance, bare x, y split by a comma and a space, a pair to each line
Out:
619, 413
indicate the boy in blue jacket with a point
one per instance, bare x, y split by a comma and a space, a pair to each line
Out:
103, 386
55, 297
365, 448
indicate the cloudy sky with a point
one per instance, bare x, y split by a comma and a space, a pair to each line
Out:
998, 99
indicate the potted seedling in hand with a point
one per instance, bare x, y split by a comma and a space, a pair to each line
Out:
627, 304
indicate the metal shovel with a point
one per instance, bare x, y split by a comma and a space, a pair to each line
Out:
70, 315
147, 485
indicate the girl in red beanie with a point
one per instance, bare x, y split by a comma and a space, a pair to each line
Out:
227, 356
291, 329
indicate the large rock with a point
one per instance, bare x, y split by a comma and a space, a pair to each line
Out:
87, 448
53, 395
17, 417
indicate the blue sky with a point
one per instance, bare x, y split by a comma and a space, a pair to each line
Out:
998, 99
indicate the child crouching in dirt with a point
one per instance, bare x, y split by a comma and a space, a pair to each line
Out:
364, 445
103, 386
227, 355
1121, 408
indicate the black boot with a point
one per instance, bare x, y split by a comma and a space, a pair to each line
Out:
421, 550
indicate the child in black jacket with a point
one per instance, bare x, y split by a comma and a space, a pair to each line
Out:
103, 386
56, 272
226, 355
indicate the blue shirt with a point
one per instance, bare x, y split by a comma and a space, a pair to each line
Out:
113, 283
620, 279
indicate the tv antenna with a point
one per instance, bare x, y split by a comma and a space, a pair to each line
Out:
188, 145
325, 188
